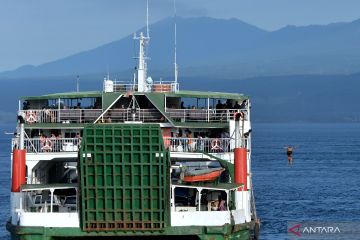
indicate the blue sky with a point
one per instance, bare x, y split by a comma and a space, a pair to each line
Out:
38, 31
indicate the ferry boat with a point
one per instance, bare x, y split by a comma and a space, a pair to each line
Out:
131, 160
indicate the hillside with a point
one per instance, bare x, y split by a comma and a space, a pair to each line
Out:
221, 48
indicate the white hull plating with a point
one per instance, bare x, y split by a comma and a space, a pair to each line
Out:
205, 218
36, 219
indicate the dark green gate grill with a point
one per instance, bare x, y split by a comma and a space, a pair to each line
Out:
123, 172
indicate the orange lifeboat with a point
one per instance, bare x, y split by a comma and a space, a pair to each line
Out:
202, 175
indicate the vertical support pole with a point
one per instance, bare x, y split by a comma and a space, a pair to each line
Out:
199, 200
208, 109
59, 107
22, 137
51, 199
21, 202
236, 134
77, 199
227, 199
173, 198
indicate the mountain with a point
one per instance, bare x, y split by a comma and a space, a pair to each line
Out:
222, 48
201, 34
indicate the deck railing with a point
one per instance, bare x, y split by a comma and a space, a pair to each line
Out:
35, 200
60, 115
46, 145
123, 86
208, 145
122, 115
90, 115
204, 115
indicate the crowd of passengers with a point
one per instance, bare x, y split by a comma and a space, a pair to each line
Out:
96, 105
186, 141
52, 143
220, 105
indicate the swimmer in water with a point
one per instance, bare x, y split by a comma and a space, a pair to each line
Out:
289, 152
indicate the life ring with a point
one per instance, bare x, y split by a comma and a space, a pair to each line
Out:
47, 145
239, 115
215, 144
30, 116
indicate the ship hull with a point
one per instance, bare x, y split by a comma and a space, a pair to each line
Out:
229, 232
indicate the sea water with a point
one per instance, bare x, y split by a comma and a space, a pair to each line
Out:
320, 184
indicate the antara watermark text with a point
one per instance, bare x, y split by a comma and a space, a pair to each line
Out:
322, 229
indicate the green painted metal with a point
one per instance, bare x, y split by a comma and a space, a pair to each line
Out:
109, 98
158, 100
202, 124
226, 164
228, 232
82, 125
182, 93
74, 95
55, 125
202, 94
124, 183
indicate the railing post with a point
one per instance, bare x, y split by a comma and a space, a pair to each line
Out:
59, 107
208, 109
199, 199
51, 199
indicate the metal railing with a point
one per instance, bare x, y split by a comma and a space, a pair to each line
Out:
208, 145
201, 115
90, 115
122, 115
34, 202
123, 86
46, 145
60, 115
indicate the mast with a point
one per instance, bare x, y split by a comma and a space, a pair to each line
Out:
77, 83
175, 43
142, 67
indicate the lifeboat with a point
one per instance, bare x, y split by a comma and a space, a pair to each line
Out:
202, 175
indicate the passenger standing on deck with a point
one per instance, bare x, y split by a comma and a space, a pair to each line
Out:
219, 111
219, 105
182, 105
243, 104
190, 141
222, 206
237, 105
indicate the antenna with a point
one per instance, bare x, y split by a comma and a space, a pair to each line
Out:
77, 83
175, 44
147, 18
143, 42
